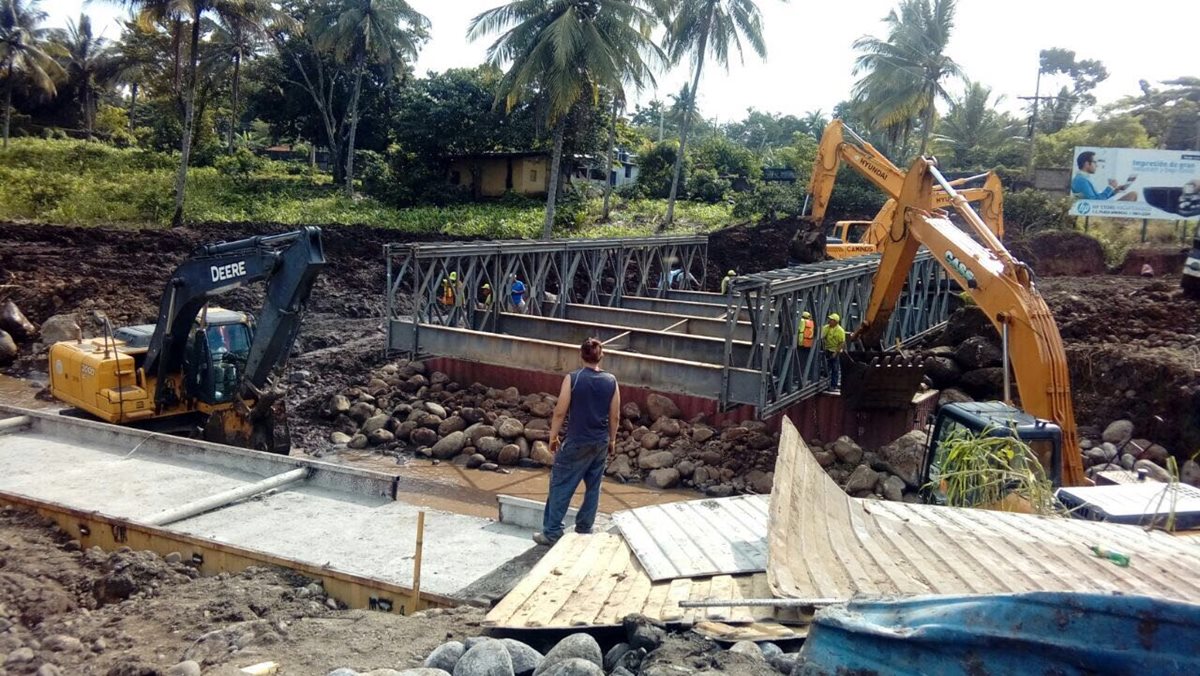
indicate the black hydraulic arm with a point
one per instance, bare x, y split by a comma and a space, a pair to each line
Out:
290, 262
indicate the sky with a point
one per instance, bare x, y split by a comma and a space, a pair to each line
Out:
810, 54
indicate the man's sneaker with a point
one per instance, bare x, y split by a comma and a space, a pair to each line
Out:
543, 540
584, 532
834, 393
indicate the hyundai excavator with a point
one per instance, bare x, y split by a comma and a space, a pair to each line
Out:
847, 239
201, 368
1002, 286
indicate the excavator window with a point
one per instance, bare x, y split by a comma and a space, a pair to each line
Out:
216, 361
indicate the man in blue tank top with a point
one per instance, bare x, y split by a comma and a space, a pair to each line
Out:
593, 401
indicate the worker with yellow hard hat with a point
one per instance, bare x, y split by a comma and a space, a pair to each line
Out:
806, 331
833, 343
726, 280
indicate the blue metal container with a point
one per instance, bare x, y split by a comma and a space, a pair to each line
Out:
1034, 633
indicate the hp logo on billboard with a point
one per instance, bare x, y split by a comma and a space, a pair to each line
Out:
1085, 208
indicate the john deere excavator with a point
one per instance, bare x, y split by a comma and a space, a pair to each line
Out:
847, 239
200, 367
1002, 286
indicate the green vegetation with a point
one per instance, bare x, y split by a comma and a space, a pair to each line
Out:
1004, 473
66, 181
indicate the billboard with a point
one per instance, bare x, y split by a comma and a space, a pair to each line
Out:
1136, 183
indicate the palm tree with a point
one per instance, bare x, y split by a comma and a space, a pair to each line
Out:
564, 52
903, 74
237, 34
379, 32
972, 124
617, 104
22, 53
698, 29
90, 66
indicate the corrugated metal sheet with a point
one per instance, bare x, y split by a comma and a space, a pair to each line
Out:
825, 544
1036, 633
595, 580
699, 537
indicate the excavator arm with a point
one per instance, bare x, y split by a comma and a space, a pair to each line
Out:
1001, 285
840, 144
290, 263
989, 197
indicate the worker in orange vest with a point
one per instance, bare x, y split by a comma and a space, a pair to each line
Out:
808, 329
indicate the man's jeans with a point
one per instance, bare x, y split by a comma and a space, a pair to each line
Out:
574, 463
835, 370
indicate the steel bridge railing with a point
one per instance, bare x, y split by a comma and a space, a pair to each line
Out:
554, 272
774, 302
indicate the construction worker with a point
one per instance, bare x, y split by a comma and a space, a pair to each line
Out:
726, 280
446, 297
485, 296
517, 291
806, 331
833, 343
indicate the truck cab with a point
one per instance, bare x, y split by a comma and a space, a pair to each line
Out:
996, 419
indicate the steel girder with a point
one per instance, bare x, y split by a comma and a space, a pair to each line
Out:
773, 302
589, 271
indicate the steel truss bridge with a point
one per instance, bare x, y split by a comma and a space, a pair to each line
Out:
739, 348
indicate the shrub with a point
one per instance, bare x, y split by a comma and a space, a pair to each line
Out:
770, 201
242, 162
704, 185
655, 166
1028, 211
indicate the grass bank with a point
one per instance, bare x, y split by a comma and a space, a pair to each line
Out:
82, 183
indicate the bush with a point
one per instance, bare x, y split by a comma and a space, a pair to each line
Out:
241, 163
704, 185
1028, 211
770, 201
654, 170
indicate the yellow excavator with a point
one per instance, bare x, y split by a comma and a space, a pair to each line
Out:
847, 239
1002, 286
200, 368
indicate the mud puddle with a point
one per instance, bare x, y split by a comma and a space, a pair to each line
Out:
22, 392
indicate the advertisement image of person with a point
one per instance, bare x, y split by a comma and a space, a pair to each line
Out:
1082, 187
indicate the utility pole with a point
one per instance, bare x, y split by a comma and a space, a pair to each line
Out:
1037, 95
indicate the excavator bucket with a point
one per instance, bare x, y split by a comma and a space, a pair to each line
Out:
261, 426
880, 381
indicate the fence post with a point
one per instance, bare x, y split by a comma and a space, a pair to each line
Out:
1145, 224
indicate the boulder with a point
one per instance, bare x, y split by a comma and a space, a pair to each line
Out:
362, 411
541, 409
847, 450
337, 404
761, 482
749, 649
449, 446
656, 460
185, 668
953, 395
510, 428
649, 441
1118, 432
525, 659
452, 424
977, 352
478, 431
8, 348
490, 446
486, 658
576, 646
663, 478
380, 436
423, 436
475, 460
15, 323
630, 410
686, 468
436, 409
620, 467
357, 441
658, 406
985, 383
540, 453
824, 458
701, 434
905, 457
59, 328
862, 479
666, 427
943, 371
574, 667
1127, 461
339, 438
966, 322
509, 455
760, 441
893, 488
375, 422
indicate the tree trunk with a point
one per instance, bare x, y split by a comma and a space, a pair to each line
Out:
683, 131
612, 140
927, 125
358, 73
552, 187
237, 81
176, 48
133, 91
8, 87
188, 119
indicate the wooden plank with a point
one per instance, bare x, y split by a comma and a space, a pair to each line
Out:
522, 594
604, 580
630, 595
557, 587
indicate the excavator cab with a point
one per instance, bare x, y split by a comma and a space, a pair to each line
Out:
216, 360
996, 419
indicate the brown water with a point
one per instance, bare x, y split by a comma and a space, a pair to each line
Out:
22, 392
470, 491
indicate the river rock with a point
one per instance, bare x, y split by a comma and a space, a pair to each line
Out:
478, 431
630, 410
525, 659
185, 668
449, 446
701, 434
8, 348
445, 656
649, 441
943, 371
62, 643
574, 667
862, 479
362, 411
985, 383
540, 453
475, 460
824, 458
762, 482
339, 438
663, 478
486, 658
15, 323
375, 422
905, 457
338, 404
893, 488
953, 395
490, 446
1190, 473
1127, 461
656, 460
59, 328
749, 649
977, 352
436, 409
666, 427
541, 409
686, 468
510, 428
847, 450
509, 454
659, 406
966, 322
619, 467
576, 646
357, 441
423, 436
452, 424
1118, 432
380, 436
